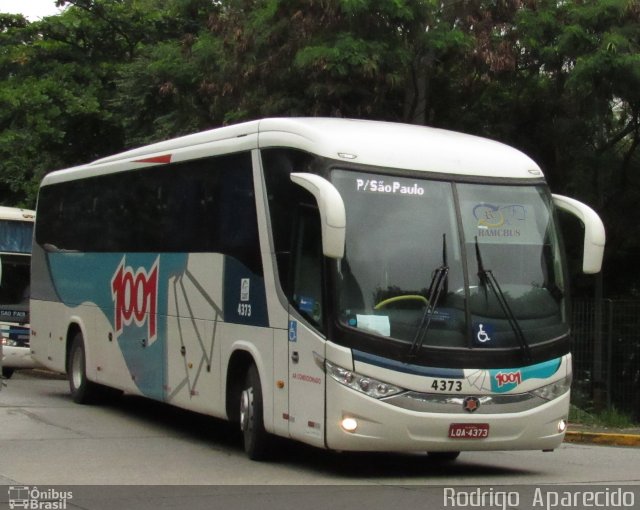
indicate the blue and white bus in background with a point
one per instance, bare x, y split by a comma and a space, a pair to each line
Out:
16, 233
353, 285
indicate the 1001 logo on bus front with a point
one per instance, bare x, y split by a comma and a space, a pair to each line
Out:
135, 298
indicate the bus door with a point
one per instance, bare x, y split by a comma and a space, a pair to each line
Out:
306, 342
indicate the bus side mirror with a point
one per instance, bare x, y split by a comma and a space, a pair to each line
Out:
594, 235
332, 212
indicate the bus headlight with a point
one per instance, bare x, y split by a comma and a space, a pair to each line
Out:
349, 424
555, 389
362, 383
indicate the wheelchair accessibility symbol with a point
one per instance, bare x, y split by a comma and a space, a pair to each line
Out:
483, 333
293, 331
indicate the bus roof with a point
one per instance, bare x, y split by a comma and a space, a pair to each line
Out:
382, 144
16, 214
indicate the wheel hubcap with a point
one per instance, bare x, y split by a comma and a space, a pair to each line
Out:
76, 368
245, 409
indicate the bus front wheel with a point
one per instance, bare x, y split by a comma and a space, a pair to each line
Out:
255, 437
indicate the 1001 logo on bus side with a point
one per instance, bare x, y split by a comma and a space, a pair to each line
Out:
135, 298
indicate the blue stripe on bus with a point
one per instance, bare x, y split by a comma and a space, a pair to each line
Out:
398, 366
81, 278
140, 281
542, 370
503, 380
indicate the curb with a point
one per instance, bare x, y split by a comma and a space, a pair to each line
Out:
601, 438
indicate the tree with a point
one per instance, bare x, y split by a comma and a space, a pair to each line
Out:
558, 79
583, 60
57, 81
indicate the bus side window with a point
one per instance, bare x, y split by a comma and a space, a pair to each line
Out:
306, 266
297, 236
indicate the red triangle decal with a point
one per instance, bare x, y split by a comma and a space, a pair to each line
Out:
165, 158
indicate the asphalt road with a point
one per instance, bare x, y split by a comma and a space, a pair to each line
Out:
190, 460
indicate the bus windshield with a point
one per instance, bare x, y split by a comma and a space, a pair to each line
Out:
15, 257
15, 236
450, 265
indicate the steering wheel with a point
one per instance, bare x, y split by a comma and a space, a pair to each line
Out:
406, 297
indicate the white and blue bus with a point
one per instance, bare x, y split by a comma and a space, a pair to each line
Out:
353, 285
16, 234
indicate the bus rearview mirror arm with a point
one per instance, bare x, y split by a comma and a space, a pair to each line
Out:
594, 234
332, 212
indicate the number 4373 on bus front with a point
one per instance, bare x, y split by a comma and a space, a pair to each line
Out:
446, 385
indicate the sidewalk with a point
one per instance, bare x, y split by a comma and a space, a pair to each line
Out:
578, 433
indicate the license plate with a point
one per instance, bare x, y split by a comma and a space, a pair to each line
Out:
469, 430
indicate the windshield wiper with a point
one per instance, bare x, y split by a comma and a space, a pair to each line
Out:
488, 279
438, 283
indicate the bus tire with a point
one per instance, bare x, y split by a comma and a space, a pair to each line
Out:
7, 372
255, 437
82, 390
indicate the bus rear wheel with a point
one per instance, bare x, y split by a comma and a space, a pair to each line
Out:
82, 390
255, 437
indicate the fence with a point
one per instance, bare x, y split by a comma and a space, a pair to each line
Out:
606, 356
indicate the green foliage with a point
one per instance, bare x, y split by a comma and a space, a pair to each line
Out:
559, 80
606, 418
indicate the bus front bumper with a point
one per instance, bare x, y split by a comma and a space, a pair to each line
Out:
384, 427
